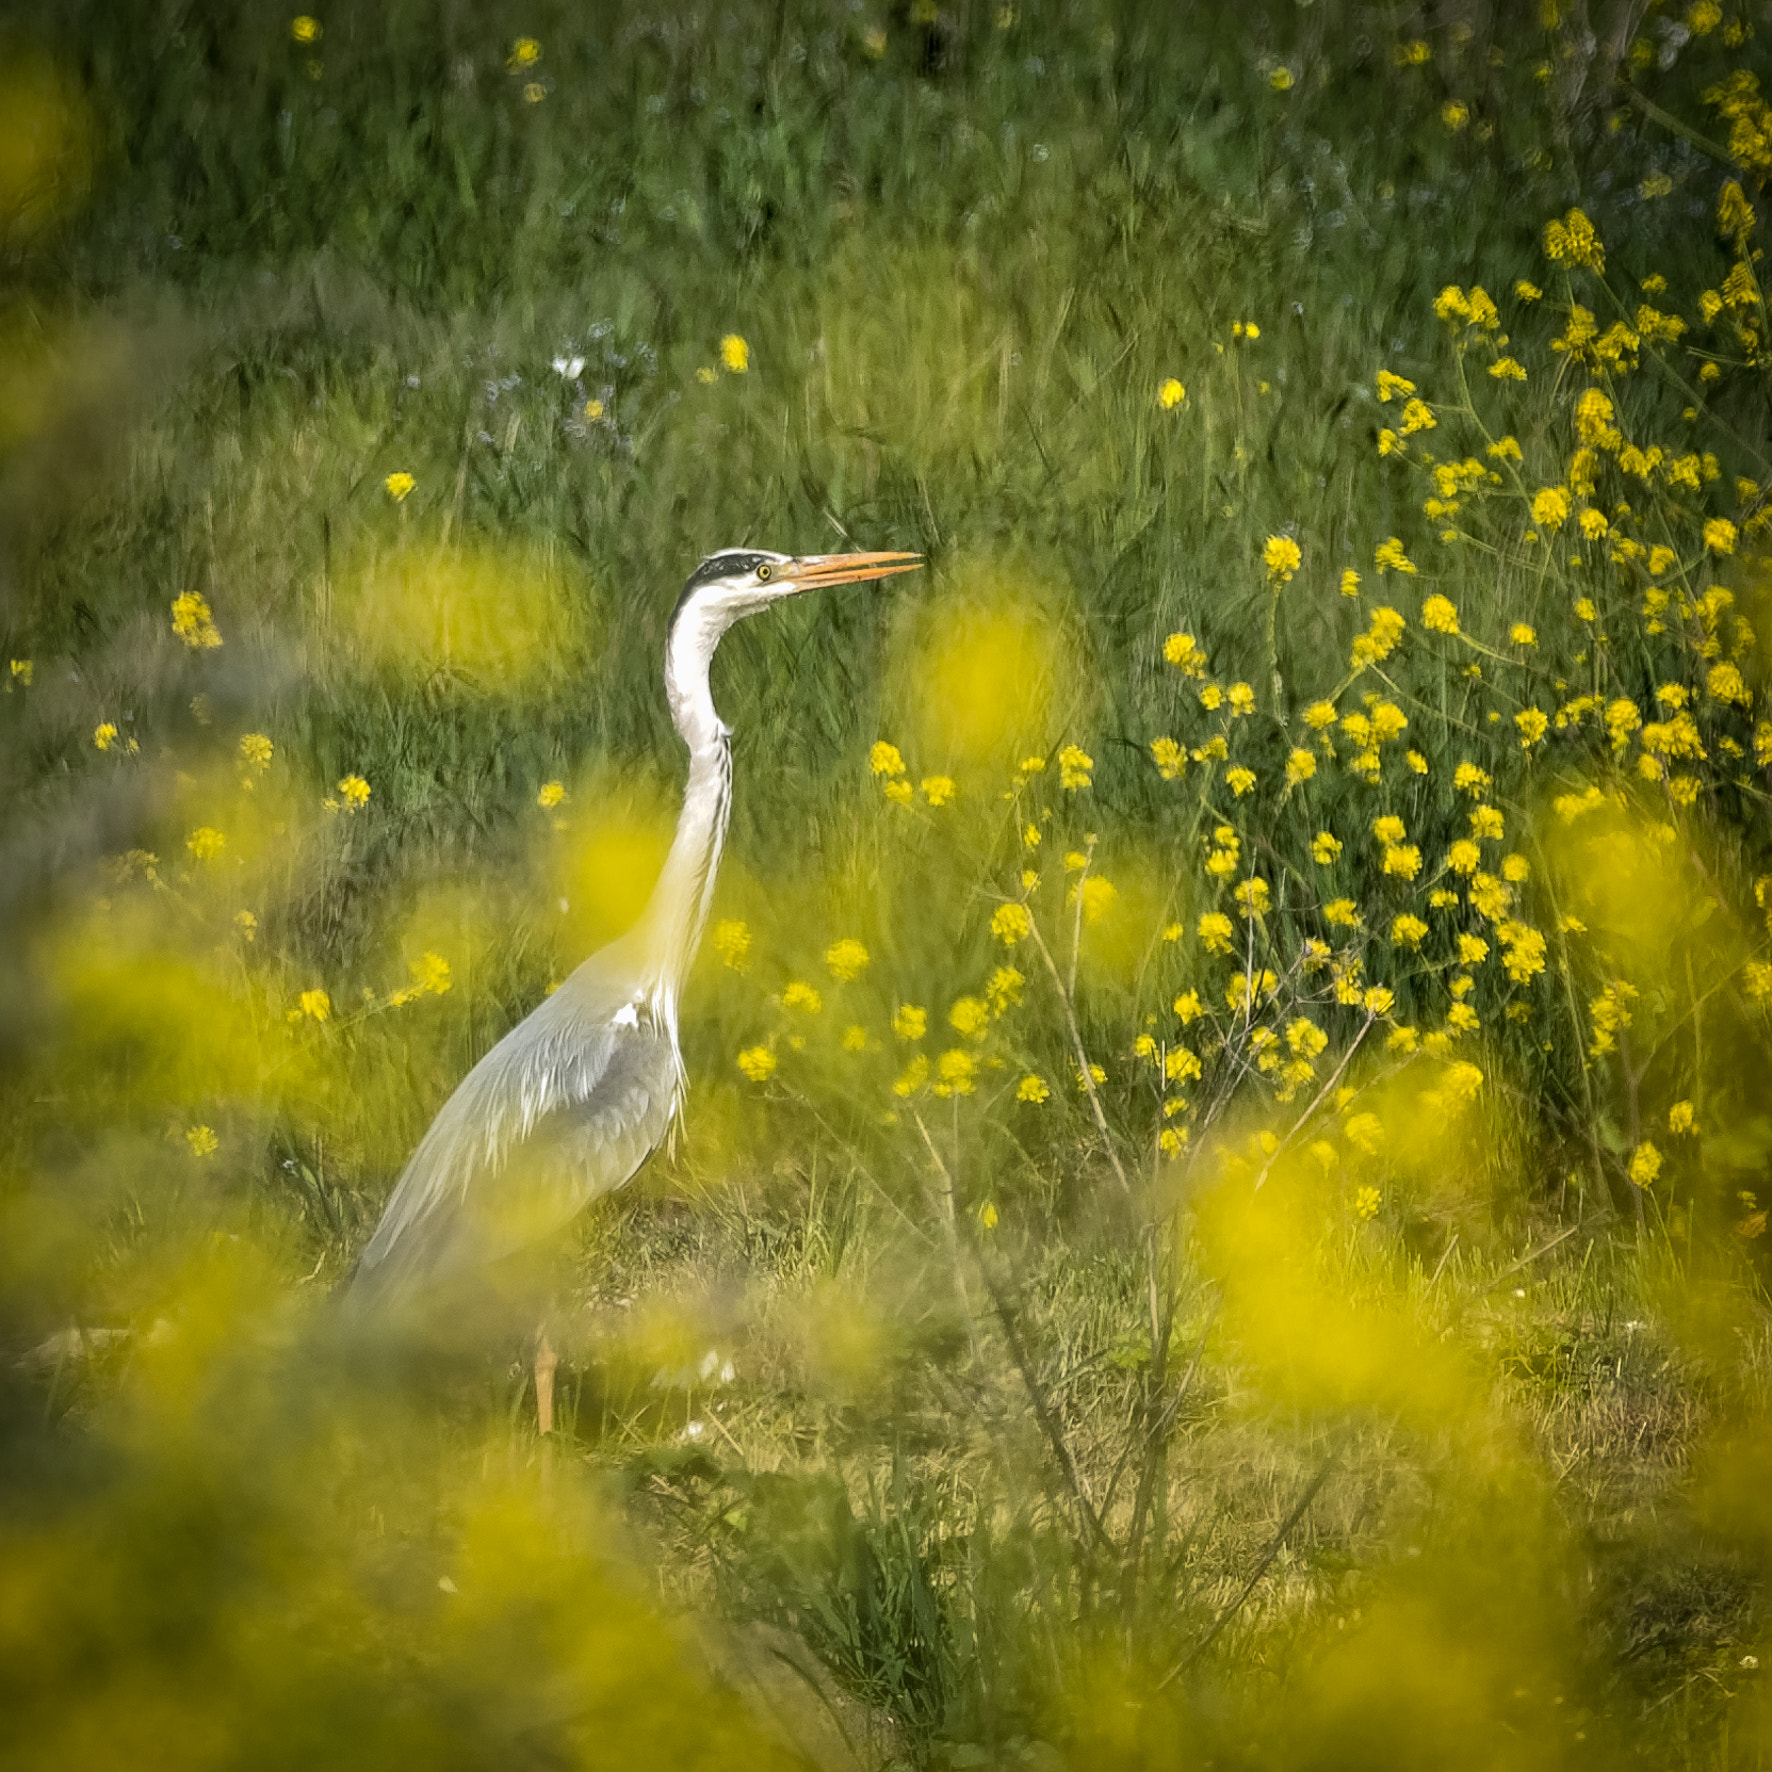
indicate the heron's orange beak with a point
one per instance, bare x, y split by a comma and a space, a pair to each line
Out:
813, 571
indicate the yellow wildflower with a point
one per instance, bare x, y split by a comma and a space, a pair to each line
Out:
1341, 913
910, 1022
884, 759
354, 791
735, 354
316, 1005
206, 843
1325, 847
1720, 535
1440, 614
1074, 765
104, 735
303, 29
202, 1141
970, 1016
847, 959
1300, 767
1239, 780
732, 942
1010, 923
938, 790
1216, 932
800, 995
1550, 507
552, 794
1572, 241
1505, 449
256, 749
1171, 394
1393, 386
1170, 758
1032, 1088
912, 1077
397, 486
1390, 557
1281, 556
193, 623
1407, 931
1186, 653
1645, 1164
1003, 988
757, 1063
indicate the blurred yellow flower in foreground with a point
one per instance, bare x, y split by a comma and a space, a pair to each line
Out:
398, 485
202, 1140
354, 791
193, 623
735, 354
304, 29
757, 1063
1171, 394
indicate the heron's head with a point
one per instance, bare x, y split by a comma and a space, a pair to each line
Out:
737, 582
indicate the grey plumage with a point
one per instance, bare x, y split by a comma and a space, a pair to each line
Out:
572, 1101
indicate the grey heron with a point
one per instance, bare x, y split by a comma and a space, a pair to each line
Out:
571, 1102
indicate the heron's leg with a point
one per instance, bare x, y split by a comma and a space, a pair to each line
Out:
545, 1362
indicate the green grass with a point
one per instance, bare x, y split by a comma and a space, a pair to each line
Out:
1023, 1438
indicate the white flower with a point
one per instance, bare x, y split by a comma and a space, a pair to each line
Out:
571, 368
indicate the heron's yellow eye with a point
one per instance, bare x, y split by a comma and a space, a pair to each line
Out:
764, 571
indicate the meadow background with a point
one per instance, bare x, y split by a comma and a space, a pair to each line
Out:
1221, 1216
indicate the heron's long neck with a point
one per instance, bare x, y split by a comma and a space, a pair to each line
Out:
678, 909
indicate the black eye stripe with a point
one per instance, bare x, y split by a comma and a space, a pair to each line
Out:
725, 565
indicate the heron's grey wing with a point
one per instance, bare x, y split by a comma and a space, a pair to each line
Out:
567, 1106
